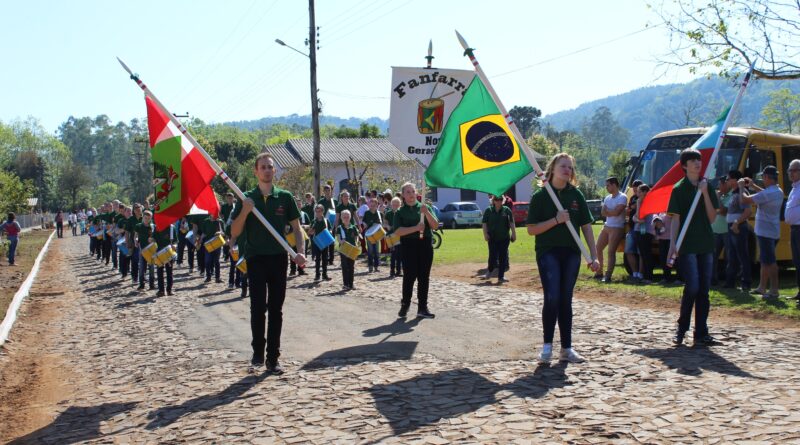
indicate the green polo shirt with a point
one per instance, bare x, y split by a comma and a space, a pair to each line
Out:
279, 208
370, 218
119, 220
225, 212
143, 233
350, 232
498, 222
327, 204
349, 206
388, 216
319, 225
699, 237
162, 238
408, 216
196, 219
542, 208
309, 209
130, 223
208, 228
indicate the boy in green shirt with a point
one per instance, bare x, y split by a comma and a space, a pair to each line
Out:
209, 229
144, 234
162, 240
347, 231
318, 225
372, 217
395, 261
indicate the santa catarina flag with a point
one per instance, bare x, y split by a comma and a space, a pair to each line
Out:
657, 198
477, 150
181, 175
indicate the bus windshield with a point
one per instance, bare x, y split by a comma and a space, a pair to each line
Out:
662, 153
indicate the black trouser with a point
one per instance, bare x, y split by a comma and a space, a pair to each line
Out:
107, 242
644, 244
498, 256
319, 260
134, 260
396, 263
181, 247
267, 272
189, 254
114, 253
348, 270
201, 259
212, 263
92, 245
330, 254
417, 260
226, 251
60, 229
124, 264
160, 273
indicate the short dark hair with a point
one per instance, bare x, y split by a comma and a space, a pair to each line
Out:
613, 180
11, 216
263, 155
690, 154
771, 171
637, 182
644, 188
735, 174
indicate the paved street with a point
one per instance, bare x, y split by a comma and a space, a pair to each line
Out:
173, 369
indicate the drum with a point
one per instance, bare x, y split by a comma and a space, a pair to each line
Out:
392, 240
215, 242
100, 234
242, 265
165, 255
292, 241
190, 237
122, 245
430, 115
331, 218
149, 252
323, 239
349, 250
235, 253
91, 230
375, 233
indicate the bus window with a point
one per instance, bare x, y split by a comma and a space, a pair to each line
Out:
790, 152
757, 159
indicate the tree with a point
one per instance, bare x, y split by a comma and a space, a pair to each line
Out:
725, 36
603, 131
782, 112
618, 164
526, 119
73, 181
15, 193
105, 192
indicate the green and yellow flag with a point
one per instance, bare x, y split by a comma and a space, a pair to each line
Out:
477, 150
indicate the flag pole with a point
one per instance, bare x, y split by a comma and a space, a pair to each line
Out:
422, 200
521, 141
711, 167
228, 181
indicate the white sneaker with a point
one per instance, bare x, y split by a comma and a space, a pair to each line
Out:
546, 354
569, 355
487, 275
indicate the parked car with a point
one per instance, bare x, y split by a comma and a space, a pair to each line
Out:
520, 212
461, 214
595, 206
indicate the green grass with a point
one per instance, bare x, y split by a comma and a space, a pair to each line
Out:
468, 246
12, 277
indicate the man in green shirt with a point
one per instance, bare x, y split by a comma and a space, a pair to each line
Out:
266, 259
497, 222
695, 258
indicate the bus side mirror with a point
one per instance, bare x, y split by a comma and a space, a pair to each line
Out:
753, 164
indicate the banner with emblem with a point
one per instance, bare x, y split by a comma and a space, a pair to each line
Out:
477, 150
422, 100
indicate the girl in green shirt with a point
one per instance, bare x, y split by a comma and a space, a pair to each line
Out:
347, 231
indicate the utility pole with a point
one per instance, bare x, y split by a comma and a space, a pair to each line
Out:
312, 55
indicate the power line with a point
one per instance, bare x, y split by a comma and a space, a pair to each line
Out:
346, 23
360, 27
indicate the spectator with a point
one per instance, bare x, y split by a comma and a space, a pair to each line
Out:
631, 250
738, 247
12, 229
768, 201
720, 228
792, 216
613, 232
643, 235
60, 224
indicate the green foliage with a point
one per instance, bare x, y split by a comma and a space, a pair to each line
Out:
73, 182
16, 192
105, 192
618, 164
526, 119
782, 112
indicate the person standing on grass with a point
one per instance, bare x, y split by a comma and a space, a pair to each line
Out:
695, 258
768, 203
557, 256
613, 229
498, 221
720, 228
12, 229
643, 232
792, 217
631, 250
737, 251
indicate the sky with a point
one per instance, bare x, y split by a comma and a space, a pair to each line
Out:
218, 61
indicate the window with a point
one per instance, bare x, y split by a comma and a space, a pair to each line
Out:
468, 195
757, 159
449, 208
789, 153
467, 207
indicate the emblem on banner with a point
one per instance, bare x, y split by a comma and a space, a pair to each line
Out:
430, 116
487, 142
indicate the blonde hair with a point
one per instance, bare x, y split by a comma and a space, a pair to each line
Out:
551, 166
345, 212
396, 200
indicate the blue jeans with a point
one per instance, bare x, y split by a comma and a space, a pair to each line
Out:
696, 270
558, 269
373, 259
12, 248
795, 243
498, 256
740, 250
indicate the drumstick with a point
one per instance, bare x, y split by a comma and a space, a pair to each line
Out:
445, 95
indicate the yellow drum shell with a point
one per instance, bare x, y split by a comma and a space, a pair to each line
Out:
375, 233
392, 240
292, 241
149, 252
165, 255
349, 250
214, 243
235, 253
242, 265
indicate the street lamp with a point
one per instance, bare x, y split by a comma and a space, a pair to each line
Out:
312, 56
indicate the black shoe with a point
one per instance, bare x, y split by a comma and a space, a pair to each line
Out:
243, 295
678, 338
301, 272
208, 279
705, 340
141, 287
160, 293
391, 274
403, 311
291, 273
274, 368
326, 278
151, 288
218, 280
316, 277
425, 314
169, 292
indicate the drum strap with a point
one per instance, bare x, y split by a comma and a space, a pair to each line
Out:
344, 237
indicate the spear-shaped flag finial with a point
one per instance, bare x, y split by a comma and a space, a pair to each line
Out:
429, 57
467, 49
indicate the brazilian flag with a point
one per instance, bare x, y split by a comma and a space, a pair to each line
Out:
477, 150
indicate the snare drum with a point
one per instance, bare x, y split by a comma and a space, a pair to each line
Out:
323, 239
123, 246
392, 240
215, 242
149, 252
375, 233
292, 241
235, 253
165, 255
242, 265
349, 250
190, 237
331, 217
